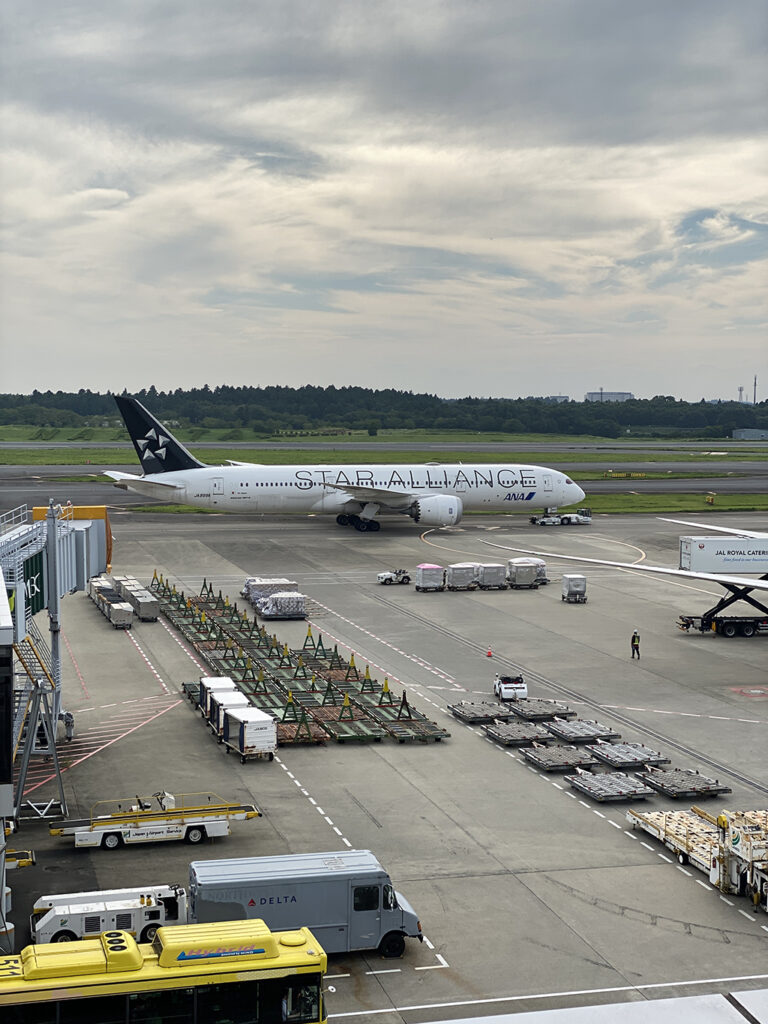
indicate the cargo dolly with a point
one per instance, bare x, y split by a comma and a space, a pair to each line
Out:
627, 755
516, 734
682, 782
581, 730
558, 759
611, 786
535, 709
478, 712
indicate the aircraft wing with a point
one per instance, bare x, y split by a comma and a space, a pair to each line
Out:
378, 495
712, 577
151, 488
755, 535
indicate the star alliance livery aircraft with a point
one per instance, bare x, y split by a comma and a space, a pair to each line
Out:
432, 494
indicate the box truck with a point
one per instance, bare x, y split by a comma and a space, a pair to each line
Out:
345, 898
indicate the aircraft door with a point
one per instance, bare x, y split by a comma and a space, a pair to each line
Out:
547, 483
217, 486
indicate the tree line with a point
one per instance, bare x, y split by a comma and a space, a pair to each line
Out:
277, 410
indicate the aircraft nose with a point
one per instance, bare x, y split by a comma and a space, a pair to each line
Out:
573, 493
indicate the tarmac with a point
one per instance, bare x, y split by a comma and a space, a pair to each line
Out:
531, 897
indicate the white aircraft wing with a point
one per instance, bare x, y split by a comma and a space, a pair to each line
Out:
712, 577
378, 495
756, 535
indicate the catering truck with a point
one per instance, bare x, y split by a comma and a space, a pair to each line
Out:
345, 898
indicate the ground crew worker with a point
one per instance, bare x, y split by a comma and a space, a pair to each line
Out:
69, 725
634, 643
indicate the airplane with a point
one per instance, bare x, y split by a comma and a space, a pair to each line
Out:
738, 588
432, 494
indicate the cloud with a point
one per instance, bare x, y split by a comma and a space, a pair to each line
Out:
381, 189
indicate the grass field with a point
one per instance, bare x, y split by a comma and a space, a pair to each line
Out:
105, 458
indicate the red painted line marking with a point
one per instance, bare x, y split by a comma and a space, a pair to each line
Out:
74, 662
151, 667
50, 777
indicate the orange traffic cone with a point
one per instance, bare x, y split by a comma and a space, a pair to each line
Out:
490, 653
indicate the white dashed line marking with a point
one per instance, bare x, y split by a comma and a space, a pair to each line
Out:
665, 857
628, 833
703, 885
729, 902
598, 813
748, 916
689, 873
647, 846
614, 823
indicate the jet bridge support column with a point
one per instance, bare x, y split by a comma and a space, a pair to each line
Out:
54, 603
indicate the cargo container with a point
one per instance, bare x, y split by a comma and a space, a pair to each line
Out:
250, 732
523, 577
574, 589
220, 702
491, 576
346, 898
462, 576
430, 577
209, 683
724, 554
541, 568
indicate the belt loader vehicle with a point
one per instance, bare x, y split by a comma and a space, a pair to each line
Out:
345, 898
192, 817
84, 915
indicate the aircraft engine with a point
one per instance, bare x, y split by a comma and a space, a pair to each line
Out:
438, 510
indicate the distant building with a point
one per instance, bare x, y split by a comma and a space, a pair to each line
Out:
750, 434
557, 399
608, 396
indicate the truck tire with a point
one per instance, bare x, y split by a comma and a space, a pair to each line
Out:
149, 932
392, 946
747, 629
387, 581
682, 858
64, 936
112, 841
729, 629
406, 579
195, 834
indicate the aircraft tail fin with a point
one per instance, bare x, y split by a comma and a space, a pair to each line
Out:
157, 448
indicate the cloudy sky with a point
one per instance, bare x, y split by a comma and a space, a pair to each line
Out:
486, 197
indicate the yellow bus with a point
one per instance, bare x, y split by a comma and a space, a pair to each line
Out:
237, 972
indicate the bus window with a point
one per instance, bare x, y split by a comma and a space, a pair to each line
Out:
366, 897
171, 1004
301, 1002
99, 1010
32, 1014
235, 1003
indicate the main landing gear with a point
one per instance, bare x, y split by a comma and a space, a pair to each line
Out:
363, 525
